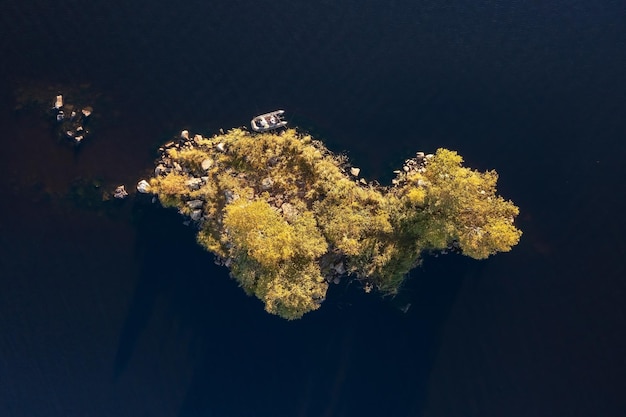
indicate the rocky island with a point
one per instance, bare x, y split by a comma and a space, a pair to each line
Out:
288, 217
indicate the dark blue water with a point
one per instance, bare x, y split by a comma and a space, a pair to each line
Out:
112, 309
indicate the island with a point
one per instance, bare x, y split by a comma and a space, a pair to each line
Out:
288, 217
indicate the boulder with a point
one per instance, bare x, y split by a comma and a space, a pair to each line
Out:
355, 171
143, 187
193, 183
58, 103
196, 215
195, 204
207, 164
120, 192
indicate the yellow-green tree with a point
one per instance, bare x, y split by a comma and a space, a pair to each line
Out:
448, 202
276, 260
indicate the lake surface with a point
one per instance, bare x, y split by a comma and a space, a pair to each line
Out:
111, 309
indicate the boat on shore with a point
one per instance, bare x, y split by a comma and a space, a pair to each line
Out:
268, 121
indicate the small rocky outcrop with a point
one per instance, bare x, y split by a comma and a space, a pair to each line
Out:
120, 192
71, 120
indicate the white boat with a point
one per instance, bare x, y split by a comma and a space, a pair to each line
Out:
268, 121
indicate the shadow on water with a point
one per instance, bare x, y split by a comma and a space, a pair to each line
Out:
151, 278
167, 256
358, 354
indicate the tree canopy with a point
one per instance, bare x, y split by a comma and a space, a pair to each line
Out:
287, 216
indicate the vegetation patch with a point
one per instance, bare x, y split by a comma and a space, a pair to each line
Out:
287, 216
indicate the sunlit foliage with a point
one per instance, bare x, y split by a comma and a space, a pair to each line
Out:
286, 215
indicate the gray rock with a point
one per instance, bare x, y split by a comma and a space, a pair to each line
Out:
289, 211
355, 171
143, 187
196, 215
120, 192
184, 134
195, 204
221, 147
160, 169
58, 103
193, 183
229, 195
339, 268
272, 161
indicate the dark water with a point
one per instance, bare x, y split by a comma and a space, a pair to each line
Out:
111, 309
